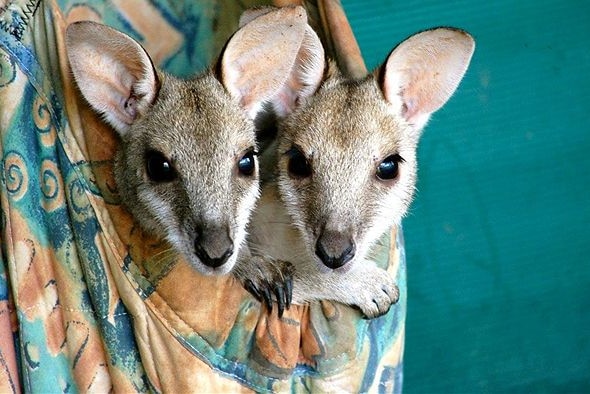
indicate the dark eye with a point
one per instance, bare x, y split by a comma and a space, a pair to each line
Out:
247, 164
389, 167
158, 167
298, 165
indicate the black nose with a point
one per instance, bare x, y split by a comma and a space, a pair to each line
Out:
332, 259
212, 262
213, 245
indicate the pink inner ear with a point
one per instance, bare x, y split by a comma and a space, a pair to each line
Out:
275, 58
130, 106
408, 108
422, 73
113, 72
423, 96
286, 99
305, 77
419, 87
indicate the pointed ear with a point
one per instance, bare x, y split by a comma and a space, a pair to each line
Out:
422, 73
114, 73
261, 55
305, 77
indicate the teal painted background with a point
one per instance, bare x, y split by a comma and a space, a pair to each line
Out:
498, 238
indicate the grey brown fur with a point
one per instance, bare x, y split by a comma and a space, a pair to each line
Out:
200, 129
323, 226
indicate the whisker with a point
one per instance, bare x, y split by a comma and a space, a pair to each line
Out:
163, 257
162, 252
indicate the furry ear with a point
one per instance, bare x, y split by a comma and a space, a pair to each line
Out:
259, 57
422, 72
284, 72
114, 73
306, 75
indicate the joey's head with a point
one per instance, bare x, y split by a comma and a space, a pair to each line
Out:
347, 153
188, 171
347, 169
186, 167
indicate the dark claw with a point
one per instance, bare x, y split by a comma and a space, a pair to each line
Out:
289, 291
252, 289
279, 293
267, 298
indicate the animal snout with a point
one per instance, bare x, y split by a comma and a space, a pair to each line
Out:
334, 249
213, 247
213, 262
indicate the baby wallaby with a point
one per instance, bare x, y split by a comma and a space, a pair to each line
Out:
186, 167
346, 170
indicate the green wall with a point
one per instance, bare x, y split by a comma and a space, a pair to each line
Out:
498, 238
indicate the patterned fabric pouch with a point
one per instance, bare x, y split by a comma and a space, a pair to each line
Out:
90, 302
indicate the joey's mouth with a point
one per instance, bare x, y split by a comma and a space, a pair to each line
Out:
323, 259
212, 247
335, 248
218, 266
207, 270
324, 269
213, 262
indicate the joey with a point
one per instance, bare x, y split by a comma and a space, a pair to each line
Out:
186, 166
345, 169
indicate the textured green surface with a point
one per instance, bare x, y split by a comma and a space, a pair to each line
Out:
498, 239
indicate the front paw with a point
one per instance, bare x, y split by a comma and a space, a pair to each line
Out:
376, 294
270, 280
